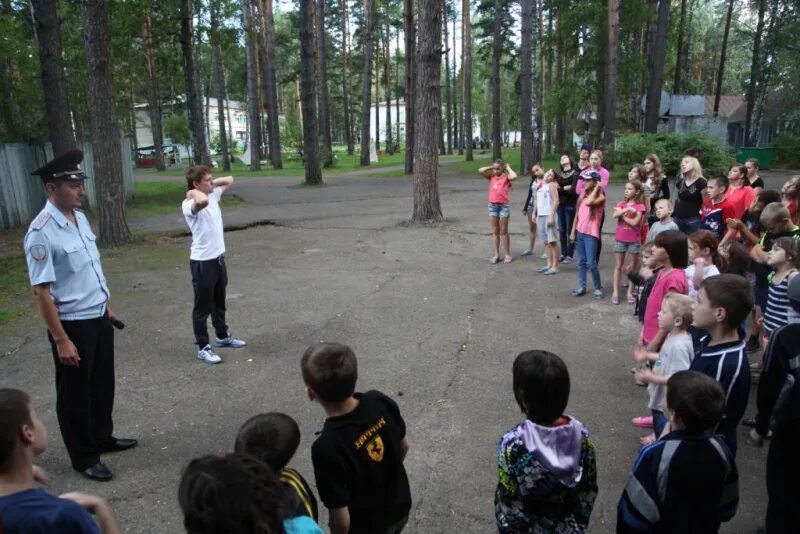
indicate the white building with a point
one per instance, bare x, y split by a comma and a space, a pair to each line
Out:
233, 108
398, 117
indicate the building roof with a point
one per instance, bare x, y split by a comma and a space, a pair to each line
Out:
212, 102
731, 107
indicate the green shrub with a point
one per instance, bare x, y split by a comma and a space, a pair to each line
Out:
715, 157
787, 150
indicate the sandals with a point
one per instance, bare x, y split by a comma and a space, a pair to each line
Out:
645, 421
631, 299
494, 259
615, 300
507, 259
647, 440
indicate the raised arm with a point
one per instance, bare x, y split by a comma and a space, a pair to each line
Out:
486, 172
200, 199
224, 182
511, 174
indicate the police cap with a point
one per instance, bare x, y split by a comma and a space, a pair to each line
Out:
66, 167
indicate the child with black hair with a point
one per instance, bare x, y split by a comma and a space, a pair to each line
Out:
236, 493
358, 456
779, 409
273, 438
686, 481
546, 464
716, 208
25, 508
724, 302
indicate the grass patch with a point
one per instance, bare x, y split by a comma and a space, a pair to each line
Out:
14, 287
164, 198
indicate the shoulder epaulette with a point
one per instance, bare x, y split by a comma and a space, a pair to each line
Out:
40, 220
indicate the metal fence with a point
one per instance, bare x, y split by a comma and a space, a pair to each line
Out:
22, 196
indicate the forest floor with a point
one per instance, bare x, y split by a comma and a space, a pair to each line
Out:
434, 325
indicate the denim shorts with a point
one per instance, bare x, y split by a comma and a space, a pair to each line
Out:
499, 210
548, 234
630, 248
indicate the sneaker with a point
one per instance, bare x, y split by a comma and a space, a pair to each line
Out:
579, 291
567, 260
543, 256
207, 355
526, 252
508, 259
543, 269
231, 342
597, 293
550, 271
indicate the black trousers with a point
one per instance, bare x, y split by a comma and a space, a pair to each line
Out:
85, 394
209, 280
783, 474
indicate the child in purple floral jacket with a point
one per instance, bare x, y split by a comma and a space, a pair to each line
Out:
546, 464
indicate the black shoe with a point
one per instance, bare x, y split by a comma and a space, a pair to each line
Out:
119, 444
751, 422
98, 472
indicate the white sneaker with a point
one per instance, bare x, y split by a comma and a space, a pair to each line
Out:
207, 355
231, 342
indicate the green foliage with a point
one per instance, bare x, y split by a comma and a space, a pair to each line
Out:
715, 158
786, 150
163, 198
176, 127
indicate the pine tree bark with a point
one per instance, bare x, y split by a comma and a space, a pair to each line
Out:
657, 56
56, 102
721, 71
324, 98
267, 21
454, 90
466, 77
411, 58
448, 100
219, 78
561, 119
538, 87
308, 65
106, 146
366, 81
348, 125
153, 97
377, 96
387, 91
253, 100
526, 86
676, 84
194, 104
610, 115
497, 51
755, 76
428, 113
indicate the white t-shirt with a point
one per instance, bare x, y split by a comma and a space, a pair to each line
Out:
676, 355
208, 242
708, 270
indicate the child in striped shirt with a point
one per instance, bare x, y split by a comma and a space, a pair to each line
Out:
784, 258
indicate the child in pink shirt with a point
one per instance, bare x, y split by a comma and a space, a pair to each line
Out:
672, 252
630, 217
500, 177
586, 234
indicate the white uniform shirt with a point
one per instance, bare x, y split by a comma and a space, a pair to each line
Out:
208, 242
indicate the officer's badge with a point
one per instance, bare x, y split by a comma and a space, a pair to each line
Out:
375, 449
38, 252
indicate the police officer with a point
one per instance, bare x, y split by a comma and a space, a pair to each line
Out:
70, 290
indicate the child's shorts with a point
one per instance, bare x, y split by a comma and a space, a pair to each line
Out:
630, 248
548, 234
499, 210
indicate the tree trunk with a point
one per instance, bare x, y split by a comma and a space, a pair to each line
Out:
411, 77
561, 119
657, 56
397, 92
56, 103
755, 76
324, 100
387, 87
448, 101
548, 78
610, 114
466, 77
366, 81
231, 138
538, 89
348, 126
428, 113
454, 90
253, 100
308, 64
193, 99
497, 51
676, 85
611, 82
271, 86
721, 71
377, 96
526, 118
113, 223
154, 99
219, 77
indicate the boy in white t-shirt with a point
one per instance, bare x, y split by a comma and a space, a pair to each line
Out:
207, 260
